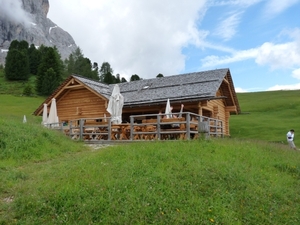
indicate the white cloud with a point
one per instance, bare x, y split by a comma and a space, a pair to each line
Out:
284, 87
243, 3
274, 7
296, 73
131, 34
13, 11
211, 61
228, 26
279, 56
286, 55
240, 90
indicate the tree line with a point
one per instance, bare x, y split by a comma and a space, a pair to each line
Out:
45, 63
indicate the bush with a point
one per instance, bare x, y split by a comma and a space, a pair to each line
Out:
28, 90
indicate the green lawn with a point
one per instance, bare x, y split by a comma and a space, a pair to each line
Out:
223, 181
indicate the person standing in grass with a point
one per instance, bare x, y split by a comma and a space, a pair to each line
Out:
290, 139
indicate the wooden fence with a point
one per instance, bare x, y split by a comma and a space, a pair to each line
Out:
142, 127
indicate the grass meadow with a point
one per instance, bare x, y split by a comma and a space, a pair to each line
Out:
224, 181
267, 116
250, 178
14, 87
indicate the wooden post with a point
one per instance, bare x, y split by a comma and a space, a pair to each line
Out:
158, 126
131, 127
81, 128
188, 126
199, 109
109, 129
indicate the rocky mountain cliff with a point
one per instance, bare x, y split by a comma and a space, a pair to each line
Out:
27, 20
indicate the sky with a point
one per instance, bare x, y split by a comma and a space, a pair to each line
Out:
258, 40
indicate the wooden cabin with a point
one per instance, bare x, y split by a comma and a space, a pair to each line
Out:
208, 93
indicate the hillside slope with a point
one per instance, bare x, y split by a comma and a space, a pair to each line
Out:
267, 115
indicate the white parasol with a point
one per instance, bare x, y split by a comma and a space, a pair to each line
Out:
168, 110
53, 118
115, 105
24, 119
45, 113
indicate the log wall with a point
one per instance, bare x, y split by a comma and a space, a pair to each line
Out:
217, 109
80, 103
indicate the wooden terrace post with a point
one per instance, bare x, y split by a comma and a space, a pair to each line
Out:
131, 127
70, 128
188, 126
199, 124
81, 129
158, 126
199, 109
208, 127
222, 133
109, 129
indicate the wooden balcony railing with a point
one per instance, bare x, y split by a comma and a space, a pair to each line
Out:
152, 127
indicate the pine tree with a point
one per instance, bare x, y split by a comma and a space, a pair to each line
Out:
17, 61
123, 80
78, 64
109, 78
34, 59
106, 73
118, 80
49, 74
135, 77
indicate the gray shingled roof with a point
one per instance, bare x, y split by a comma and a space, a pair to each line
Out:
101, 88
184, 87
198, 85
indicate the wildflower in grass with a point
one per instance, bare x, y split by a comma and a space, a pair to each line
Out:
212, 220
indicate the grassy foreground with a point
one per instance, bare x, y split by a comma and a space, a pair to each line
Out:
51, 180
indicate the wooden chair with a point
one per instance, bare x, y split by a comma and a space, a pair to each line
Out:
150, 128
115, 132
137, 129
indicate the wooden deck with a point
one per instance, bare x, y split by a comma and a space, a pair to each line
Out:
142, 128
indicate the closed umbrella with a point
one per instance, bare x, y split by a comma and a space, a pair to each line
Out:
53, 118
115, 105
168, 110
45, 112
24, 119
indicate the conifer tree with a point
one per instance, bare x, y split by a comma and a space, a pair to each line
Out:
34, 59
135, 77
123, 80
17, 61
106, 73
49, 74
109, 78
78, 64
